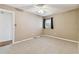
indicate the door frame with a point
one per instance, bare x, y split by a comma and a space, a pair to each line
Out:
13, 20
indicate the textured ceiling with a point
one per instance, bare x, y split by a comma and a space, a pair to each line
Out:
45, 9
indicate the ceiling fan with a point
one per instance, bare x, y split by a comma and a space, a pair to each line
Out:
39, 8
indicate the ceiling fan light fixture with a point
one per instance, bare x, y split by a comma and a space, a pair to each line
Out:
41, 11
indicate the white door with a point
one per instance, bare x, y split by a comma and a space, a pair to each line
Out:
7, 27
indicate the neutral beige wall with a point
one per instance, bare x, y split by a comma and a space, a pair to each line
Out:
78, 22
78, 28
27, 24
65, 25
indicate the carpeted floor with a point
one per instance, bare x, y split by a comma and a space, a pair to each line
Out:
44, 45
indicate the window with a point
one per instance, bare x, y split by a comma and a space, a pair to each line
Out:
48, 23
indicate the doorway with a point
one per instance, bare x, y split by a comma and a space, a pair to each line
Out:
7, 25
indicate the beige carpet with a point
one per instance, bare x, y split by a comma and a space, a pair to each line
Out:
44, 45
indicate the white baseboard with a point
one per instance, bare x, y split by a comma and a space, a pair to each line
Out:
25, 40
61, 38
46, 36
22, 41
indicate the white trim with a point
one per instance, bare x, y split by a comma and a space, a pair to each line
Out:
61, 38
22, 41
25, 39
13, 13
13, 27
47, 36
5, 10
